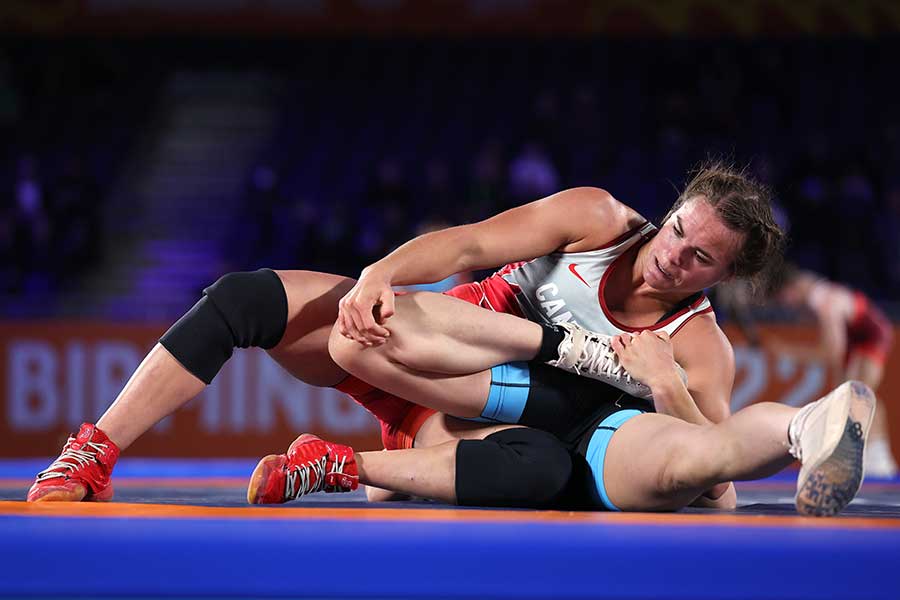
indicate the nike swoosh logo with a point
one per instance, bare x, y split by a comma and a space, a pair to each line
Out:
575, 273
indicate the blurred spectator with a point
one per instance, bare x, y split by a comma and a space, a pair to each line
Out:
9, 100
809, 197
487, 184
631, 118
889, 238
532, 174
854, 340
32, 226
75, 208
857, 210
385, 218
440, 200
587, 141
265, 223
546, 127
11, 268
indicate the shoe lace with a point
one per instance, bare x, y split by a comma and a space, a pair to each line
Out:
72, 459
299, 481
598, 357
337, 468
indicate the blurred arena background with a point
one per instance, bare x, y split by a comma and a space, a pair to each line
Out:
153, 145
150, 146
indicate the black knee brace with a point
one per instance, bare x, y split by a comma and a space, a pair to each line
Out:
515, 467
237, 311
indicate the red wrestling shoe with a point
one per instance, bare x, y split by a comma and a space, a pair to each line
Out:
81, 472
310, 465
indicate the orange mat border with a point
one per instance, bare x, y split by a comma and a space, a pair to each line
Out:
137, 482
168, 511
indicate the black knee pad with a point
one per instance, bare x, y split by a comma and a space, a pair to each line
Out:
515, 467
239, 310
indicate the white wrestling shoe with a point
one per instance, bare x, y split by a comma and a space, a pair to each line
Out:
590, 354
829, 438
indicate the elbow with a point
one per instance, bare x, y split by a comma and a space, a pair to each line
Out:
717, 410
471, 251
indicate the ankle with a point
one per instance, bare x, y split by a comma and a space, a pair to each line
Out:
552, 336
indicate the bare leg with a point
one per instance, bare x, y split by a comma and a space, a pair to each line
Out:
429, 469
441, 334
458, 395
160, 385
654, 462
657, 462
433, 336
312, 309
426, 472
437, 430
377, 494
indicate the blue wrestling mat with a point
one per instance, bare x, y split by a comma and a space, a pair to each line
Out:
179, 529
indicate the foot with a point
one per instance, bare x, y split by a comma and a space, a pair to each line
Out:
310, 465
82, 471
829, 438
590, 354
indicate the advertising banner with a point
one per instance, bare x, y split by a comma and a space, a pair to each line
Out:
56, 375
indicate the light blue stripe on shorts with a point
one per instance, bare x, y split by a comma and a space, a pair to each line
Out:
596, 451
510, 384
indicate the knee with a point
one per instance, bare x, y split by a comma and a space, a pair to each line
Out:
358, 360
416, 330
686, 468
253, 304
344, 352
355, 358
514, 467
238, 311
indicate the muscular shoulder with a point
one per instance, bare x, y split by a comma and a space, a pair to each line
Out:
704, 352
601, 217
702, 338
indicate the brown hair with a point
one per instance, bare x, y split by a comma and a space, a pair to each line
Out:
744, 205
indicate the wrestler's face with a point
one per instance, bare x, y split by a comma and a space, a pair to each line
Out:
693, 250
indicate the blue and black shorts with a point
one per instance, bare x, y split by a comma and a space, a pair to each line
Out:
582, 413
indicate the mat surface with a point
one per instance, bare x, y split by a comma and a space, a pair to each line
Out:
184, 529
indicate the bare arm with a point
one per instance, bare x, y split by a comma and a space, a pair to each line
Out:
708, 358
571, 220
704, 353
